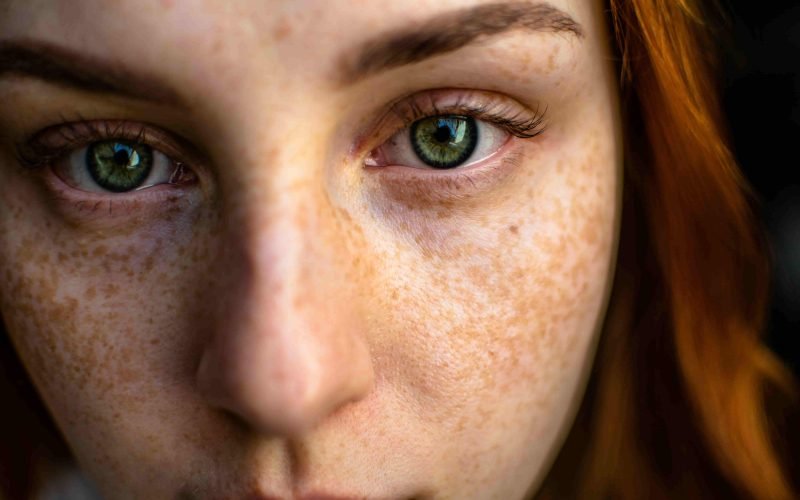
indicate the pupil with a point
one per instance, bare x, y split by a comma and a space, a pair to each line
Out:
443, 133
119, 166
121, 157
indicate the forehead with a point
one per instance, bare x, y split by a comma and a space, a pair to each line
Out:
293, 37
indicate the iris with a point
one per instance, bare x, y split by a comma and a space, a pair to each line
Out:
119, 166
444, 141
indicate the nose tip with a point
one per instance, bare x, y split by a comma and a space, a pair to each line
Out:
286, 389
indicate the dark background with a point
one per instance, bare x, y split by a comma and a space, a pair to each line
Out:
761, 96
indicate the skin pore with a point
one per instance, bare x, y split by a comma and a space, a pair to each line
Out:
301, 307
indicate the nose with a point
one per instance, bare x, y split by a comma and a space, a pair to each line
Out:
288, 344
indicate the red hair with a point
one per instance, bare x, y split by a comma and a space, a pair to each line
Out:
678, 403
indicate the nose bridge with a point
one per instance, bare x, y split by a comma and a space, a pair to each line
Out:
288, 346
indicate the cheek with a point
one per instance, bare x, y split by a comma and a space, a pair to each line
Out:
98, 317
500, 311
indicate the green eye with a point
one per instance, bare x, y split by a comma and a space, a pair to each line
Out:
119, 166
444, 141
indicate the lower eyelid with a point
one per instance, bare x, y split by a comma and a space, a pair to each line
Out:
95, 210
412, 186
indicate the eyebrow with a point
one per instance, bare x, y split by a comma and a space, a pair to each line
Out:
68, 68
443, 33
451, 31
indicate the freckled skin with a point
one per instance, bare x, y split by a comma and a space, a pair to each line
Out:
293, 323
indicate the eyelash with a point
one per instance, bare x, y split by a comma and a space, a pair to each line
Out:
493, 111
58, 140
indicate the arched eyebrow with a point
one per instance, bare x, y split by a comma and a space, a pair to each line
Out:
62, 66
451, 31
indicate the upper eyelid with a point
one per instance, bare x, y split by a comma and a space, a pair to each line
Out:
495, 107
56, 141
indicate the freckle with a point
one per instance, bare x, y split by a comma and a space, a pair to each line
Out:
551, 59
282, 30
100, 251
110, 289
513, 229
344, 214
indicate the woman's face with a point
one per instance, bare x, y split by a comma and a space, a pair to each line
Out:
289, 249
